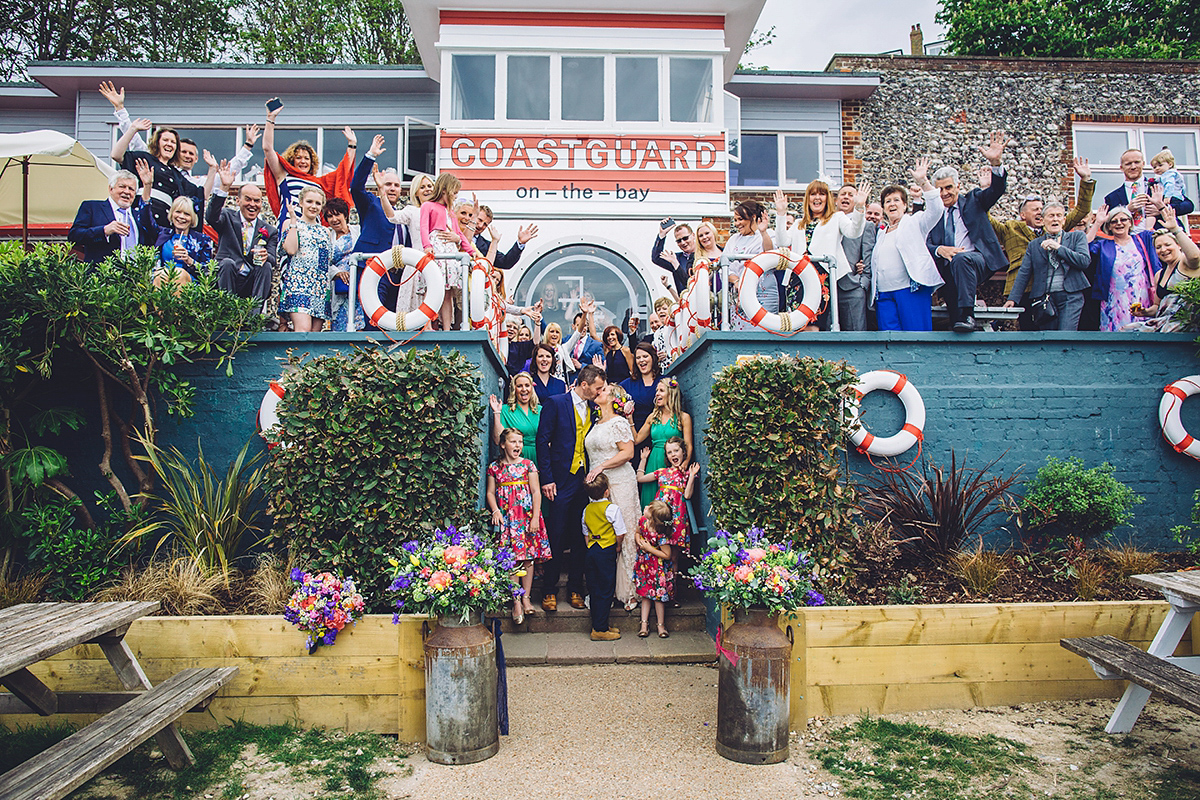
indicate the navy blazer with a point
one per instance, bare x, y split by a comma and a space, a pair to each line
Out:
1120, 197
503, 260
680, 273
88, 230
556, 438
227, 222
376, 231
973, 206
591, 348
1035, 266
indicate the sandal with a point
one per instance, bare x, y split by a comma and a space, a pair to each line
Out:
644, 632
662, 634
518, 616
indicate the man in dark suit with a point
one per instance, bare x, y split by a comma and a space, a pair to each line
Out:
246, 245
562, 466
105, 227
963, 244
853, 287
503, 260
377, 233
1134, 193
1054, 266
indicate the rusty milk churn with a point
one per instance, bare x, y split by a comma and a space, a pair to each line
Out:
460, 692
754, 689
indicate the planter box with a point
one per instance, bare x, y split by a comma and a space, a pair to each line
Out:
875, 659
372, 679
883, 659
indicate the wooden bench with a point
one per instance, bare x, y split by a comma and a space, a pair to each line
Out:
1108, 654
73, 761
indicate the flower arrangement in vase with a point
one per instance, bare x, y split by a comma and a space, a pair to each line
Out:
322, 605
745, 570
453, 574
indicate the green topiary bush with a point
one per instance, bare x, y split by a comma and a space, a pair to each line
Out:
1066, 498
373, 449
776, 440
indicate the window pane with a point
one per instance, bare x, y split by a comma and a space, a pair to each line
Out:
1106, 181
582, 87
221, 142
1192, 181
529, 87
760, 161
421, 149
691, 89
1101, 147
1181, 143
473, 87
802, 158
637, 89
334, 147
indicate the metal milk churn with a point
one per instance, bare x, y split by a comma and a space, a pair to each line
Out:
460, 692
754, 689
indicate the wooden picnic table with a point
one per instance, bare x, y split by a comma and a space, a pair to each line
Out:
32, 632
1157, 669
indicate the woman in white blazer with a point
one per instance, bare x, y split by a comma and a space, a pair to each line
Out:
903, 275
819, 232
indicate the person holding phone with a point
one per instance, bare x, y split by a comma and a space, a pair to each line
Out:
297, 167
678, 264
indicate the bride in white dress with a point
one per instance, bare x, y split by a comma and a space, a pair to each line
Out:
609, 447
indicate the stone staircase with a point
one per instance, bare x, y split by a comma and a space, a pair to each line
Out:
564, 637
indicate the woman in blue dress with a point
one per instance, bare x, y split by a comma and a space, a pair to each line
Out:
304, 292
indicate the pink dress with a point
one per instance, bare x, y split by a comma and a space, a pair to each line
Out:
671, 483
436, 217
1130, 284
516, 503
653, 577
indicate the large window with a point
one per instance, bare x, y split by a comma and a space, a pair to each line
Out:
557, 88
563, 276
777, 159
1102, 145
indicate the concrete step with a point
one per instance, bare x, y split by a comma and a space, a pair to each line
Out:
533, 649
688, 617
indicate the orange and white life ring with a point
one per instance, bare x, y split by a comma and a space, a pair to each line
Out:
1168, 415
914, 414
399, 257
479, 293
810, 282
700, 296
268, 418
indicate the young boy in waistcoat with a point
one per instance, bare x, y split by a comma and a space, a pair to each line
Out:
604, 528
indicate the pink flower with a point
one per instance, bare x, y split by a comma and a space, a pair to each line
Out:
755, 554
439, 580
455, 554
743, 573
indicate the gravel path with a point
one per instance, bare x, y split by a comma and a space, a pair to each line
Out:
608, 731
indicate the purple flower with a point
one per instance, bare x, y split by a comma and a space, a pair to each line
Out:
814, 598
411, 547
298, 575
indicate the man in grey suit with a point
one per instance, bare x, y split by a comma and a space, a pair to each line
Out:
246, 244
1053, 268
854, 287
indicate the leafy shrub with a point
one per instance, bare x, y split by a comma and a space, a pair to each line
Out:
1066, 498
935, 511
776, 438
373, 450
75, 558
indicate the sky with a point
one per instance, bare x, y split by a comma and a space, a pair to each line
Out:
807, 34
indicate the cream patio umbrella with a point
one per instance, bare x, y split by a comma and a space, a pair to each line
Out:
44, 176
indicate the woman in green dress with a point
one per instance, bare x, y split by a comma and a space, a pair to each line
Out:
666, 420
520, 412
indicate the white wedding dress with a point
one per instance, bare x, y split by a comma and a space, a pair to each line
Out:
601, 445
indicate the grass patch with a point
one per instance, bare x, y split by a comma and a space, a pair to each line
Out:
1179, 783
879, 760
340, 764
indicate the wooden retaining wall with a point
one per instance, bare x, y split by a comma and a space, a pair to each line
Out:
882, 659
875, 659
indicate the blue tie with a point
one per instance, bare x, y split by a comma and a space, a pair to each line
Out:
949, 227
402, 237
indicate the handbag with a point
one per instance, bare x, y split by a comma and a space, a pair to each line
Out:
1042, 309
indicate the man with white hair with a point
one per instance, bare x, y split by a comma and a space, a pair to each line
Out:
106, 227
963, 244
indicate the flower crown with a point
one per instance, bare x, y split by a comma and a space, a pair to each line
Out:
621, 402
673, 382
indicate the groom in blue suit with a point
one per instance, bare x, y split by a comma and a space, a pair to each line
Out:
562, 465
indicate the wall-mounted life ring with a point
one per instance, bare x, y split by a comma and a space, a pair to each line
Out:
788, 321
1168, 415
399, 257
914, 414
267, 416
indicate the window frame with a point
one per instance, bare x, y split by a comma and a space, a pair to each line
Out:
780, 159
1135, 137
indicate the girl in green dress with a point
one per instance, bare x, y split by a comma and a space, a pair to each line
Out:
520, 412
666, 420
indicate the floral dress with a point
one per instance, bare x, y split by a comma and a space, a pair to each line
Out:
305, 285
516, 503
671, 483
1130, 285
660, 432
340, 302
653, 577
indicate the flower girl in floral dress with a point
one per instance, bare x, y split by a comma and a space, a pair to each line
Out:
514, 497
653, 575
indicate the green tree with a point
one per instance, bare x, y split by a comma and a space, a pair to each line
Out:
1161, 29
328, 32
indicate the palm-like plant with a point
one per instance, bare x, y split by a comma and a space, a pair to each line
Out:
212, 520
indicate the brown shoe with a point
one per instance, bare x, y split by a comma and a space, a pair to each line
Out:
550, 603
606, 636
577, 600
